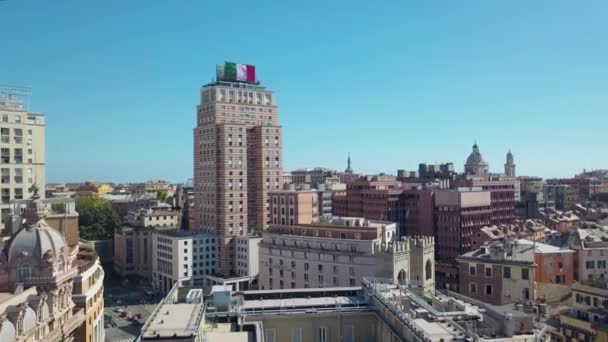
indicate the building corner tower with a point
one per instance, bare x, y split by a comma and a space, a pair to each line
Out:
237, 158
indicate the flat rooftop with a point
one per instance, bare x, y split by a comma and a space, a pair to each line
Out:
179, 320
225, 332
294, 303
178, 232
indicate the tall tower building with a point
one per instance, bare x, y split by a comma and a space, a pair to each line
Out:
237, 158
510, 165
21, 148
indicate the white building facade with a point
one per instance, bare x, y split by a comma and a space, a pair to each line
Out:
342, 254
181, 256
247, 255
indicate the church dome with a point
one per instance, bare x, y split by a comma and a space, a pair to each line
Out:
39, 242
475, 158
36, 238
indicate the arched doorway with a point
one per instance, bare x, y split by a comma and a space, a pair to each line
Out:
402, 277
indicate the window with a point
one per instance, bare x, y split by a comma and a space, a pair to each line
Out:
24, 273
488, 271
488, 289
296, 335
506, 271
472, 270
472, 288
525, 274
269, 335
590, 264
601, 264
306, 266
526, 293
323, 334
349, 333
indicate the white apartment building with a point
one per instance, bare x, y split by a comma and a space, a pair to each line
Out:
247, 255
22, 148
182, 256
342, 252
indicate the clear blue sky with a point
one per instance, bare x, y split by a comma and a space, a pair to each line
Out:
393, 82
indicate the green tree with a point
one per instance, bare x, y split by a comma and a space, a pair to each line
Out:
58, 208
162, 195
96, 218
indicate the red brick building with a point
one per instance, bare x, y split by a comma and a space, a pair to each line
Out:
502, 191
460, 214
384, 198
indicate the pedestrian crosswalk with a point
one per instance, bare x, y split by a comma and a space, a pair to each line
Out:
128, 339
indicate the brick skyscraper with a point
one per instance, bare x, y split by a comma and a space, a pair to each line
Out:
237, 158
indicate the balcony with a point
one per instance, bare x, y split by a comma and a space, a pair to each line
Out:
86, 259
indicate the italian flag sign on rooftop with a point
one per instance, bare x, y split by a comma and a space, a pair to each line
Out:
239, 72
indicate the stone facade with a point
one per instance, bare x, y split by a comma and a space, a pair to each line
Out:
37, 280
337, 255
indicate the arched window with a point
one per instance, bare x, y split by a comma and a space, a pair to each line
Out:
428, 270
402, 277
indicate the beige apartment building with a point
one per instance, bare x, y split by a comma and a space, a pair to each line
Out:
342, 252
22, 152
154, 217
237, 161
294, 207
